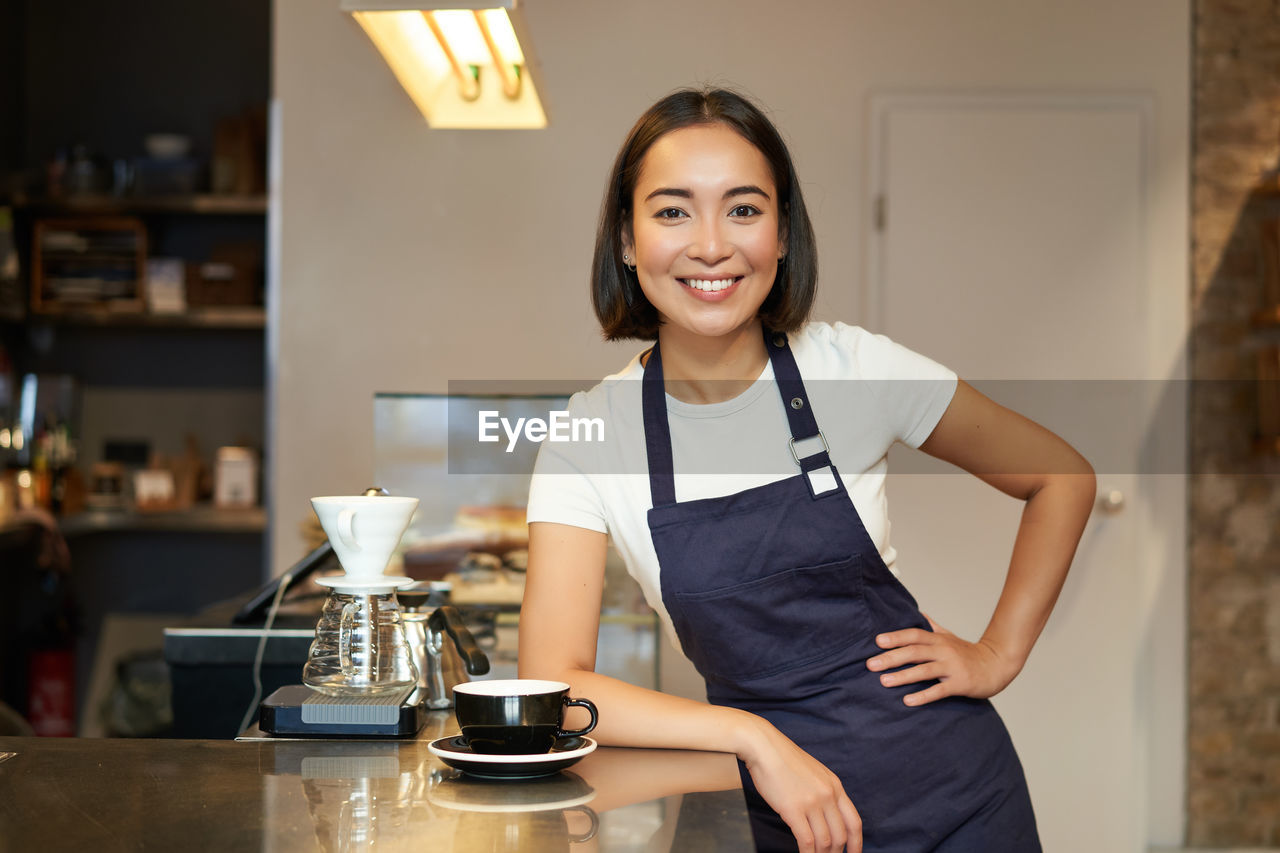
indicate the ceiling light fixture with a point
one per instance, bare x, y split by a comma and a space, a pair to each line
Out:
464, 63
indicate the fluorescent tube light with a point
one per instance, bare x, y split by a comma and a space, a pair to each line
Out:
464, 63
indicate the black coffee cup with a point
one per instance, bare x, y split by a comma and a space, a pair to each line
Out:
516, 716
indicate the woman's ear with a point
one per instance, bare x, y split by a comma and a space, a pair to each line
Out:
784, 231
628, 246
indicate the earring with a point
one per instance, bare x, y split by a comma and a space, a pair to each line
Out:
626, 263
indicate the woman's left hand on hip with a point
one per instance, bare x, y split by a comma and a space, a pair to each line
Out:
961, 668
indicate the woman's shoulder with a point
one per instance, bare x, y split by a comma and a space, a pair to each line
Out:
839, 335
846, 351
836, 334
835, 349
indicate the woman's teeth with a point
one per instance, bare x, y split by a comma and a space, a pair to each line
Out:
709, 285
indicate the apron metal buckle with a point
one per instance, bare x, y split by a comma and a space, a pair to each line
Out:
796, 456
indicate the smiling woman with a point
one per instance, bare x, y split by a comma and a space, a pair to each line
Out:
699, 236
759, 530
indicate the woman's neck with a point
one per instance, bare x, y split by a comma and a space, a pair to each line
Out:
699, 369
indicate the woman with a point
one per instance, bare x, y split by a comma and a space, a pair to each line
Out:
855, 719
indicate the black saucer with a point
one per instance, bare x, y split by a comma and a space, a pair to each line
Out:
566, 751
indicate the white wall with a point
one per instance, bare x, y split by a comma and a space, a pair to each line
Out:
408, 257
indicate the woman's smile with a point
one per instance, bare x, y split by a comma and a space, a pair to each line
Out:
711, 289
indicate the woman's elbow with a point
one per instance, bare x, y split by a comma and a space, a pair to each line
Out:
1079, 480
550, 672
534, 661
1087, 478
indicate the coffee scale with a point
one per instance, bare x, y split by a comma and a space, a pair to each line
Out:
374, 670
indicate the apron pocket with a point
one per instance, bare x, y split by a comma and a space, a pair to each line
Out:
765, 626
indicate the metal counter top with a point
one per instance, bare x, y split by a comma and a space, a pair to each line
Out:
87, 794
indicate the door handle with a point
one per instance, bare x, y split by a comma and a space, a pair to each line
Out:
1111, 501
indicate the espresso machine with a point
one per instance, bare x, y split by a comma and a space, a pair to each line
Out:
388, 650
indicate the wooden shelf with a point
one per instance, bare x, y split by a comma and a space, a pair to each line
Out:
199, 519
1267, 318
203, 204
225, 317
1269, 446
1268, 186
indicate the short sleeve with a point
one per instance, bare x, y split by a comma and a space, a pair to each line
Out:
560, 490
913, 390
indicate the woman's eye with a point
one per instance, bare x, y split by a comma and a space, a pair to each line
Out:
744, 210
670, 213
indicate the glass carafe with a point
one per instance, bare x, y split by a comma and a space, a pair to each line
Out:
360, 647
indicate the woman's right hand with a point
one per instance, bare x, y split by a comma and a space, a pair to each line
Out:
804, 793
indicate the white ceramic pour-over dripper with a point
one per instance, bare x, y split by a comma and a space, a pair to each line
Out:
364, 530
360, 647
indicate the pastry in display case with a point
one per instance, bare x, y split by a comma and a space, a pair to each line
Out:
483, 556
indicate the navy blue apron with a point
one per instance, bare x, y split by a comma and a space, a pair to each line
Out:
777, 594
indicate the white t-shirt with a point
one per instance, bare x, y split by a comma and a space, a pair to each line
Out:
865, 391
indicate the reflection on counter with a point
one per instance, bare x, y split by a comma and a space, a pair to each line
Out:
371, 796
542, 814
366, 795
282, 795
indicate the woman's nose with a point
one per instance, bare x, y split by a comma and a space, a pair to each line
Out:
709, 244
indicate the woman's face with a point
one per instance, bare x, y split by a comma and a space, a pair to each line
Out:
705, 236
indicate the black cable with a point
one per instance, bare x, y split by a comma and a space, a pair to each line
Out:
285, 580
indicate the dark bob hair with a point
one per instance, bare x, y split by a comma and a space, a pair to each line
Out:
620, 305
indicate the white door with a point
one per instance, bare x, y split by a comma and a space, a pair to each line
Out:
1011, 245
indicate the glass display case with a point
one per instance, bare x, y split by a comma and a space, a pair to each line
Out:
470, 528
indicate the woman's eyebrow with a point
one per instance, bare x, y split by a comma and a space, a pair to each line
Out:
748, 189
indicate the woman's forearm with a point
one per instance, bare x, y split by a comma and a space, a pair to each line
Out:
1026, 461
639, 717
1052, 522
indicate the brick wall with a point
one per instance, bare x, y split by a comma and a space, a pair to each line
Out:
1234, 514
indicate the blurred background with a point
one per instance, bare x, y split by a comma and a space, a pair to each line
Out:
225, 228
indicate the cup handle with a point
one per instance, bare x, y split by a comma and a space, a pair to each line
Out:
581, 703
595, 824
346, 530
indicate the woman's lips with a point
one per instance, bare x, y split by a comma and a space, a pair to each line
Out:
711, 289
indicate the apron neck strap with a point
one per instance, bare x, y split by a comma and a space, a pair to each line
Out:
657, 428
657, 431
794, 398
